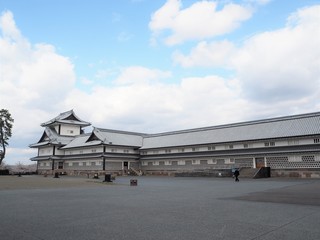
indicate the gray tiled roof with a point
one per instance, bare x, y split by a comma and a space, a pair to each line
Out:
108, 137
282, 127
292, 126
81, 141
116, 137
50, 136
68, 117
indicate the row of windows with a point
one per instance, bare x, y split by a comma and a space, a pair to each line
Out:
113, 150
97, 163
194, 149
70, 164
230, 146
46, 164
269, 144
179, 150
193, 162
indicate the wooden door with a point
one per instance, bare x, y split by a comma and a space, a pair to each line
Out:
260, 162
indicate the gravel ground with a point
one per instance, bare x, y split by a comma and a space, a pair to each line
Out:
41, 182
35, 207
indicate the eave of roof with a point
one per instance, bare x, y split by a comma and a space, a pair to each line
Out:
41, 144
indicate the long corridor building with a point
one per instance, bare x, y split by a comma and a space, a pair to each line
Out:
289, 145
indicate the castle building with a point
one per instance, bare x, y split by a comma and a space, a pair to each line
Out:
289, 145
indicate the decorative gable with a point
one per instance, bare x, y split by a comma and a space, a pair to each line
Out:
72, 118
93, 137
68, 117
44, 137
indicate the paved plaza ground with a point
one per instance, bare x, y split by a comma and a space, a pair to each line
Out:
35, 207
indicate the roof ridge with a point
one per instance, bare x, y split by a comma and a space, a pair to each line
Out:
120, 131
239, 124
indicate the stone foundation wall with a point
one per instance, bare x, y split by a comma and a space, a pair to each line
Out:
83, 173
211, 173
296, 173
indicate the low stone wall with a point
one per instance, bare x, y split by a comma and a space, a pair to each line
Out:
211, 173
83, 173
296, 173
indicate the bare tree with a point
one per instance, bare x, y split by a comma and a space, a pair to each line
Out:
6, 123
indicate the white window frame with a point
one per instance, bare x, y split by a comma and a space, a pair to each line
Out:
212, 161
229, 161
181, 162
167, 163
196, 162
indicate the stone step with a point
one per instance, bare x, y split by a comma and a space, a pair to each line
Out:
136, 172
248, 172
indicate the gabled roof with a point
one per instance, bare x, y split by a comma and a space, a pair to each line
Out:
50, 136
106, 137
282, 127
81, 141
68, 117
116, 137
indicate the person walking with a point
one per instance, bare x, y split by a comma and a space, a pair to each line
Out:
236, 175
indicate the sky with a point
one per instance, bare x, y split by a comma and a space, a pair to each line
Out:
155, 66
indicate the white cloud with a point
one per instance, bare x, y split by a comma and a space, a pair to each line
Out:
8, 26
139, 101
86, 81
139, 74
282, 64
21, 155
33, 78
259, 2
199, 21
206, 54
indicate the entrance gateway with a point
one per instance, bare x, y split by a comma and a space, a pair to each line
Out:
260, 162
125, 165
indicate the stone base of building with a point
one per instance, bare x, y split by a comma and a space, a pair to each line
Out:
296, 173
285, 173
81, 173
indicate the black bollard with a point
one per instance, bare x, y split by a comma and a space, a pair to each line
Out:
133, 182
56, 175
107, 178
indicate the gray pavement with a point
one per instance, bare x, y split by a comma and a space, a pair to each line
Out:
159, 208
